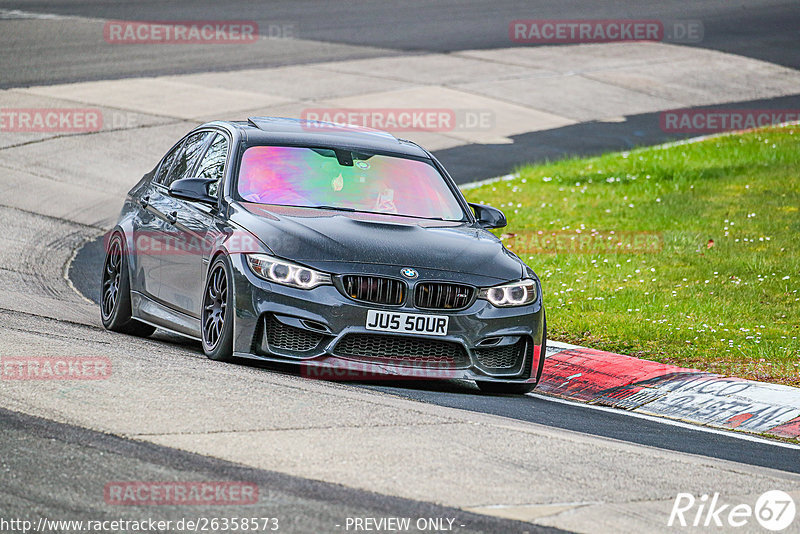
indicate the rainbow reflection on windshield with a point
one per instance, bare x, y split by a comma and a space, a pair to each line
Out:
292, 176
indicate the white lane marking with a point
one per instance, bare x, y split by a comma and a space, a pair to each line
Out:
671, 422
560, 346
16, 14
504, 178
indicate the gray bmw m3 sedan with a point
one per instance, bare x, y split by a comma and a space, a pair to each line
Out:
333, 247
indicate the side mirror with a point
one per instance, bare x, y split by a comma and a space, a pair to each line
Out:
193, 189
489, 217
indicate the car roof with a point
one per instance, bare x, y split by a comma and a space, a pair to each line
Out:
300, 132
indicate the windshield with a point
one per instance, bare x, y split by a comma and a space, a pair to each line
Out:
351, 181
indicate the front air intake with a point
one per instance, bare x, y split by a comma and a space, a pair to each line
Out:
442, 296
374, 289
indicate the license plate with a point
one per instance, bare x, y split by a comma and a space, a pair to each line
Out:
407, 323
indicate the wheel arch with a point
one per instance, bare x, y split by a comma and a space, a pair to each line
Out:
127, 244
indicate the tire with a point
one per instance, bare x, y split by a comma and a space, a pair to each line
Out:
516, 388
216, 318
115, 293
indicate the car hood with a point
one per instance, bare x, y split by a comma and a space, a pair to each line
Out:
340, 242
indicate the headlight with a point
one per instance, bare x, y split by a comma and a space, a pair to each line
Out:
513, 294
286, 273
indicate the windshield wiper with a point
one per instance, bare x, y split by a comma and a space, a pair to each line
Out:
334, 208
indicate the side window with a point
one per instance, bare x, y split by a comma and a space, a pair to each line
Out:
187, 158
213, 163
169, 159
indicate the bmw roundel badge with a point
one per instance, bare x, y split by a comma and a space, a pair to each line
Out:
408, 272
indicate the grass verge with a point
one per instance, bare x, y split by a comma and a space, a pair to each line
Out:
688, 254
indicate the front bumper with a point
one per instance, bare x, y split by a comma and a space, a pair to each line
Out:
314, 326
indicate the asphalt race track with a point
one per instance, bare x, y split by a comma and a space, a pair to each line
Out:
465, 396
764, 29
323, 452
300, 505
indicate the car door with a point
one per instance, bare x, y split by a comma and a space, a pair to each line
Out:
149, 228
183, 273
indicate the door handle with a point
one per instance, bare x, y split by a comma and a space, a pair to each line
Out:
144, 201
172, 217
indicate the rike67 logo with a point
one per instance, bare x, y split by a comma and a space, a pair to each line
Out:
774, 510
